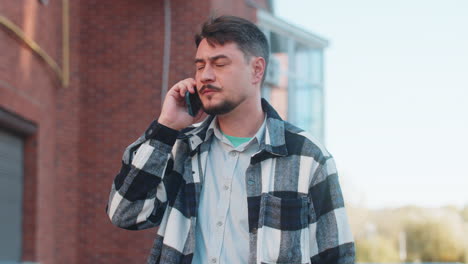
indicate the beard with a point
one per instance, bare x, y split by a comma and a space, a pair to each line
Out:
220, 109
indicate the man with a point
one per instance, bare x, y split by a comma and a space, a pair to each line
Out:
242, 187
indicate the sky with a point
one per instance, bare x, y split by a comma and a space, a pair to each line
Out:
396, 82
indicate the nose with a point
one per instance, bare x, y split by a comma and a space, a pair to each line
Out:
207, 74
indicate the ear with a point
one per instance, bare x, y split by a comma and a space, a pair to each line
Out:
258, 69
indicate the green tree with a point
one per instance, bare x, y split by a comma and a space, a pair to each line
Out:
464, 213
376, 249
434, 241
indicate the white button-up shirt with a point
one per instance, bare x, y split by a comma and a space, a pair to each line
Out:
222, 231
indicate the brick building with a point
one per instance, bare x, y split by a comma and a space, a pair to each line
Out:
79, 80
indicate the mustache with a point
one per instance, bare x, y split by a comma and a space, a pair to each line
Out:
209, 86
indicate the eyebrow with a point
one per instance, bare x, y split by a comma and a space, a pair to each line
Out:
214, 58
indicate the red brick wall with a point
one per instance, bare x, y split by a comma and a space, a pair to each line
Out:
187, 16
246, 8
236, 8
28, 88
120, 65
116, 66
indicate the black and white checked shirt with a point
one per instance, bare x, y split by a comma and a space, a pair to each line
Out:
295, 207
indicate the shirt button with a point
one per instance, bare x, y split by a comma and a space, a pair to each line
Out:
220, 223
226, 187
213, 260
251, 182
233, 153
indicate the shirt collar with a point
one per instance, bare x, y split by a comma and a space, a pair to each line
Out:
213, 129
273, 140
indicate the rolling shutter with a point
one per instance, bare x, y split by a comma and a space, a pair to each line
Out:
11, 193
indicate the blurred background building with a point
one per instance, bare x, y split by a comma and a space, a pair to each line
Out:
294, 83
80, 80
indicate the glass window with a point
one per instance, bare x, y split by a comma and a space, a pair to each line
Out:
11, 193
297, 90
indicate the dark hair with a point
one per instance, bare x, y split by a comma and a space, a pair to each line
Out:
226, 29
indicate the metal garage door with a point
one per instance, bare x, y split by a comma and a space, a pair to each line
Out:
11, 192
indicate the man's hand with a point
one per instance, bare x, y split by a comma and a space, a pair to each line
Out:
174, 112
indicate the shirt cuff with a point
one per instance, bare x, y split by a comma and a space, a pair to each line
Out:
161, 133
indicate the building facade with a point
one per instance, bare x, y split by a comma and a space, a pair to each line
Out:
80, 80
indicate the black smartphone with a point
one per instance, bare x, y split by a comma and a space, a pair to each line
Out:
193, 102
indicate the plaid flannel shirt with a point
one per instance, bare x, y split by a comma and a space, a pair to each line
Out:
295, 207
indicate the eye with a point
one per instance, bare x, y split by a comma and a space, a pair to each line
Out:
200, 67
220, 65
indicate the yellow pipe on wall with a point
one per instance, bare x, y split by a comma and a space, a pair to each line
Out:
64, 74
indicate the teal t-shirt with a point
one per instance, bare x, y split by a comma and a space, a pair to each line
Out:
236, 141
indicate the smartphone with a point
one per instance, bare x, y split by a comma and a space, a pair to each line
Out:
193, 102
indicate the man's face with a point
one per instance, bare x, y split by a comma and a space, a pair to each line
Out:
224, 77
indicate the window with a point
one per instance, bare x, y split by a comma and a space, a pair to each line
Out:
11, 193
294, 81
